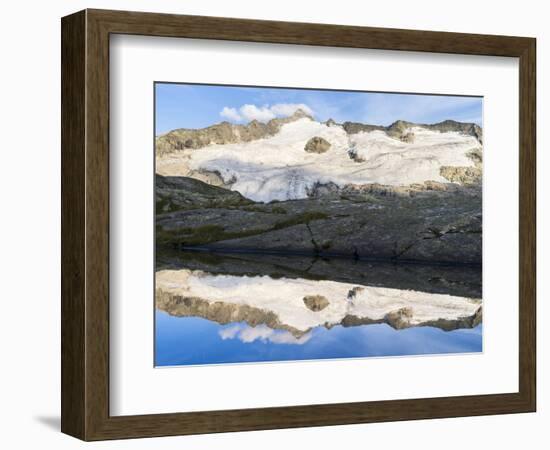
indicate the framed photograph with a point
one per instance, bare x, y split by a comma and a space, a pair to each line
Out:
273, 225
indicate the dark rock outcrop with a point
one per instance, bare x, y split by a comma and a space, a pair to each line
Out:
470, 129
356, 127
317, 144
462, 175
427, 224
177, 193
398, 129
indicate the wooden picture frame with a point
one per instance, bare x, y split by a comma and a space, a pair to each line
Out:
85, 224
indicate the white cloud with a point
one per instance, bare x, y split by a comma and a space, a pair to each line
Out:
263, 113
231, 114
252, 112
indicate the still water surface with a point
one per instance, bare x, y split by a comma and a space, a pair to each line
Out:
213, 309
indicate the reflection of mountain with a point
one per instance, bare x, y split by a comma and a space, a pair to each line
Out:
299, 305
403, 192
460, 281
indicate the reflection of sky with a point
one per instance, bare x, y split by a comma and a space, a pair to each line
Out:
192, 340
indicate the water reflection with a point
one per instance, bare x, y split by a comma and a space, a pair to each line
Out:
213, 308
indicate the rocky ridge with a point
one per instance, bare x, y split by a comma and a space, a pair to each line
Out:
398, 129
221, 133
228, 133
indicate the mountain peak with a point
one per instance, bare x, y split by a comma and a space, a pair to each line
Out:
300, 114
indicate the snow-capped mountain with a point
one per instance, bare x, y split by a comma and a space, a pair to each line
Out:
403, 192
287, 158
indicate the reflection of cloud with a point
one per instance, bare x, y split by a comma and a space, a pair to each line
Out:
264, 113
250, 334
287, 338
263, 333
229, 333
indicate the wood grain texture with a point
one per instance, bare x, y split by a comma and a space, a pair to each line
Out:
73, 129
85, 224
527, 224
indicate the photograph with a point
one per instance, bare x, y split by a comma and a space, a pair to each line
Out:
307, 224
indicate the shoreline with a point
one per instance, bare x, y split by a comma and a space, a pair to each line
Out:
320, 255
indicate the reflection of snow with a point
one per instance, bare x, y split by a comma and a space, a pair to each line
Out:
278, 168
248, 334
285, 298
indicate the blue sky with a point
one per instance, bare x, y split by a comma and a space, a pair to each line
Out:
198, 106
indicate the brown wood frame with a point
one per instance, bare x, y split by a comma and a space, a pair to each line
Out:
85, 224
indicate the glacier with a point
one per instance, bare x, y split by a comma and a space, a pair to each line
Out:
278, 168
